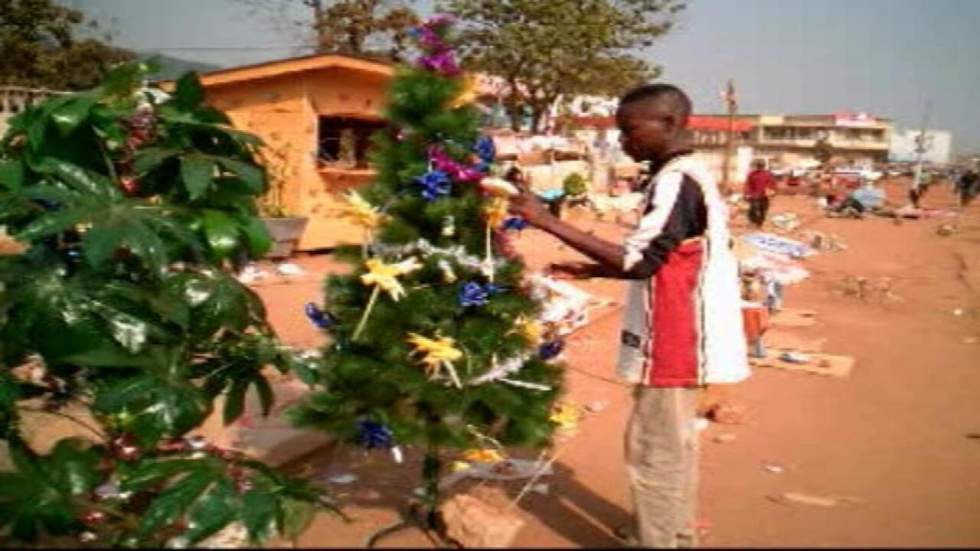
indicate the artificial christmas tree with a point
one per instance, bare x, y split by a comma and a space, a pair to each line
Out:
434, 341
130, 207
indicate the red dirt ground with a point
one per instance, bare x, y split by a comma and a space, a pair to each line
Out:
894, 435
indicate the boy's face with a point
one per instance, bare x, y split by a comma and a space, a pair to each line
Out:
648, 128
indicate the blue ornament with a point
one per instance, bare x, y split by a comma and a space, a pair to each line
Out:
372, 434
551, 349
485, 149
483, 167
515, 223
435, 184
472, 294
318, 317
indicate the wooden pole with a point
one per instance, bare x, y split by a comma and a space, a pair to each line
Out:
730, 142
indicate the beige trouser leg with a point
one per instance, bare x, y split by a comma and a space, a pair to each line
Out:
662, 464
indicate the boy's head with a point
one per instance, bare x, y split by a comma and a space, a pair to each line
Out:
651, 120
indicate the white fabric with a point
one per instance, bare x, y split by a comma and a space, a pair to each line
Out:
724, 351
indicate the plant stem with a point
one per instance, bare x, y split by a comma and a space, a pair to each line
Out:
367, 312
72, 418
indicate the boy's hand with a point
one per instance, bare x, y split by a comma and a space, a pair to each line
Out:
530, 208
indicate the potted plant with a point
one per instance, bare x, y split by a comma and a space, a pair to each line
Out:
574, 189
285, 229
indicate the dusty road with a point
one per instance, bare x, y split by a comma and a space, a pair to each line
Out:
894, 437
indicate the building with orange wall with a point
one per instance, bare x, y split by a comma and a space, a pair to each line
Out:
304, 109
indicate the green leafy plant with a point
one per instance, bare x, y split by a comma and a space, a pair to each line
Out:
574, 185
131, 206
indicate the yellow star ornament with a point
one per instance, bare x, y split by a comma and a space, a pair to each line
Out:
436, 355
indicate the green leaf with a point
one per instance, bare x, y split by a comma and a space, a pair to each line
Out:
53, 223
79, 178
126, 78
296, 516
221, 232
235, 401
259, 241
11, 174
189, 93
120, 232
156, 406
37, 118
73, 466
215, 510
197, 172
173, 502
252, 175
155, 471
68, 116
38, 495
217, 300
148, 159
259, 511
266, 397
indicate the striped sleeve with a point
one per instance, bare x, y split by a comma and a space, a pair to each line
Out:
666, 190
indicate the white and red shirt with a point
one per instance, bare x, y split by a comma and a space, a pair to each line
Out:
683, 322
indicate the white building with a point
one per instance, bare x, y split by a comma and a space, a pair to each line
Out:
938, 143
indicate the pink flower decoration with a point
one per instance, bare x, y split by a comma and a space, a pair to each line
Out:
468, 175
443, 63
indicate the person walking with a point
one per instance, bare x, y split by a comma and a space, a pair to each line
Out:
967, 187
682, 324
760, 186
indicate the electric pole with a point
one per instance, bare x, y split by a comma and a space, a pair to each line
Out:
731, 105
920, 148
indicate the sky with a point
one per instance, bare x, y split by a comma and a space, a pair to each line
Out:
885, 57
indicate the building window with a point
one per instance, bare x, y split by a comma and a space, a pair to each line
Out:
346, 140
774, 133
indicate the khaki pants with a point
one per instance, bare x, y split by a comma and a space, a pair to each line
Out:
662, 464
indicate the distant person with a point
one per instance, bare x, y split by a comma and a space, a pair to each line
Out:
515, 176
759, 187
967, 187
864, 199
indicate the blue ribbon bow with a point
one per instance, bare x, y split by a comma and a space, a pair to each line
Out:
435, 184
318, 317
372, 434
551, 349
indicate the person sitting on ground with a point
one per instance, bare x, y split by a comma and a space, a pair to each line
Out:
864, 199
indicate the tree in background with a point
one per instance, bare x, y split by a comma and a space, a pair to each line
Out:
121, 316
544, 50
433, 336
42, 46
372, 27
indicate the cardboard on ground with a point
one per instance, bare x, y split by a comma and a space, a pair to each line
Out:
820, 364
